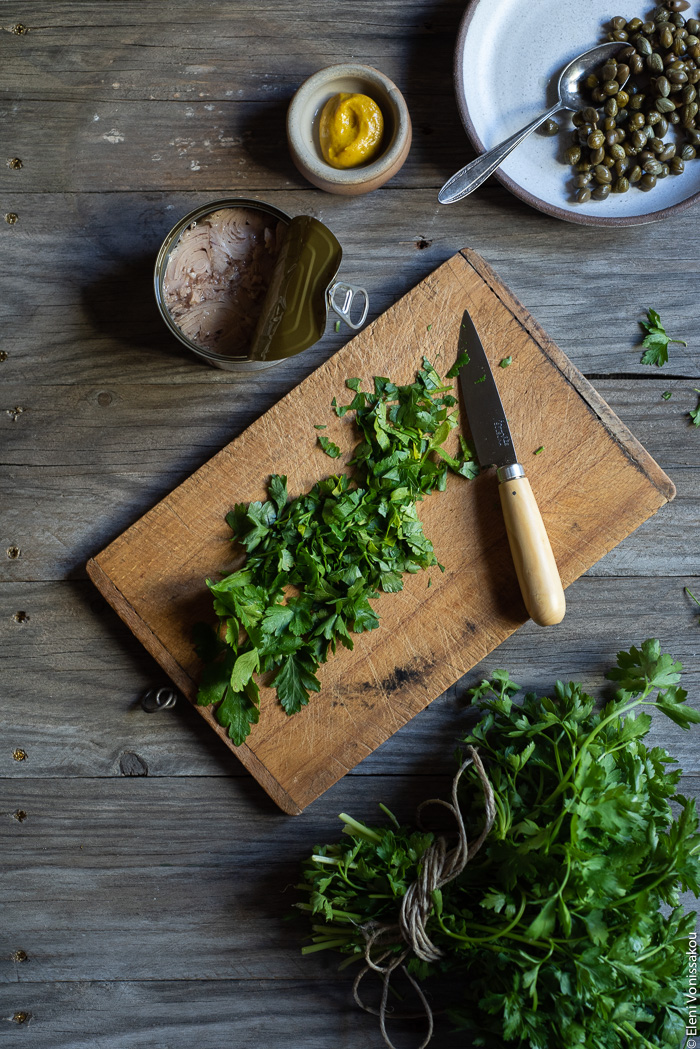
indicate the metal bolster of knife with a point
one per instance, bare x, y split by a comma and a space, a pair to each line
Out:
510, 472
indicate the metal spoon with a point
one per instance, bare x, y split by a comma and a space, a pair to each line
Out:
473, 174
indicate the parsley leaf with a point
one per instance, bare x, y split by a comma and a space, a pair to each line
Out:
238, 711
692, 596
277, 490
214, 681
316, 562
457, 366
243, 669
295, 680
329, 448
656, 340
694, 413
506, 362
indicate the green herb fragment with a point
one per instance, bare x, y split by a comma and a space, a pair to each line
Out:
506, 362
539, 450
329, 448
694, 413
335, 548
336, 326
656, 340
482, 379
320, 426
692, 596
457, 366
553, 932
429, 327
666, 395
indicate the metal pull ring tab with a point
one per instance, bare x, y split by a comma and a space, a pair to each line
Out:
159, 699
350, 292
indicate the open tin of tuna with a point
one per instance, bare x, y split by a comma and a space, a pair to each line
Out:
244, 285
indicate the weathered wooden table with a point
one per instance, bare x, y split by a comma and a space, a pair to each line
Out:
145, 876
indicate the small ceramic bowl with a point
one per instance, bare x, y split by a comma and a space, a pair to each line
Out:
303, 128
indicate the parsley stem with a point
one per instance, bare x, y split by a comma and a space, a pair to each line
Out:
697, 602
502, 819
347, 915
616, 713
558, 760
649, 954
355, 827
544, 945
333, 861
641, 1040
647, 888
504, 933
328, 945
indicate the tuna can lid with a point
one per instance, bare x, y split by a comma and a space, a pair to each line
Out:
295, 310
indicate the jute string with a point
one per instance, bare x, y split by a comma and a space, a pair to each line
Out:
439, 866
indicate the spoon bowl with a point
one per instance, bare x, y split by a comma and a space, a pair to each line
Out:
574, 75
569, 85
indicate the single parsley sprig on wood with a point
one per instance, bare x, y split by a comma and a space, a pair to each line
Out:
694, 413
656, 340
692, 597
553, 929
338, 546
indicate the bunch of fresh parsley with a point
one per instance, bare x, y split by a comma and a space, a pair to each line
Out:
337, 547
553, 929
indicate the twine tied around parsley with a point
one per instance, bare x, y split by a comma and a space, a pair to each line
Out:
439, 866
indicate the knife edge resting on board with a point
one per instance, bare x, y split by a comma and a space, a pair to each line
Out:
534, 562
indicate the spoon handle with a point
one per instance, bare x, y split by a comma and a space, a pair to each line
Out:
473, 174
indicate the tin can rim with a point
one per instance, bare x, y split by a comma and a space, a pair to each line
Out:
169, 243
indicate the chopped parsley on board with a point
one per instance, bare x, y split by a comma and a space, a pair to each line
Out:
316, 562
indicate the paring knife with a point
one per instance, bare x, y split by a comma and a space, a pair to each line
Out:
534, 561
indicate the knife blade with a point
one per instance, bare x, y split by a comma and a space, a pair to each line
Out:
533, 559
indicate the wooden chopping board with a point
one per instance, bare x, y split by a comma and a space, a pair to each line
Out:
593, 481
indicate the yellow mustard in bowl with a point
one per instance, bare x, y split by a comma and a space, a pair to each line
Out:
350, 130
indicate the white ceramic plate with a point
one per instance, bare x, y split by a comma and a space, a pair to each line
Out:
507, 63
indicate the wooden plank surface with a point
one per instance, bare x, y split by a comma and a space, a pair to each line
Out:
112, 736
102, 247
595, 484
116, 414
126, 895
152, 437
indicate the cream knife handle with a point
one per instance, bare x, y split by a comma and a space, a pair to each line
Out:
534, 561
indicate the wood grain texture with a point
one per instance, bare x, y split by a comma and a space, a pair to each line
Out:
152, 575
102, 913
177, 1015
112, 866
74, 261
151, 437
96, 722
190, 98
